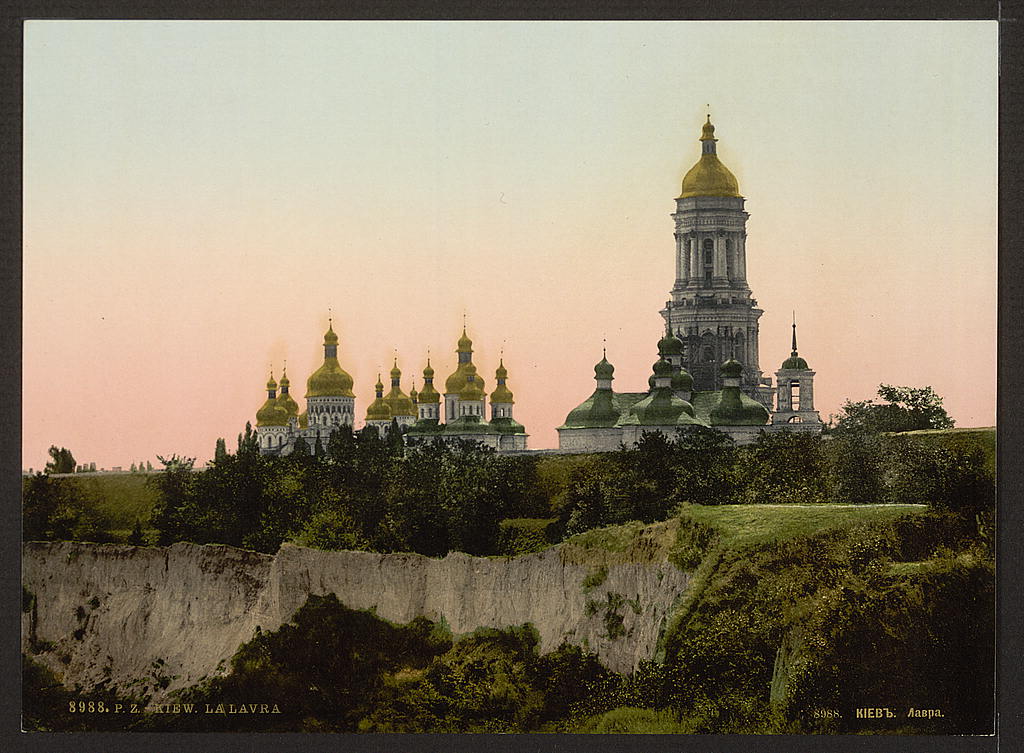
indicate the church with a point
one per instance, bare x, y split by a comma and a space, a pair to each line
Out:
330, 404
707, 371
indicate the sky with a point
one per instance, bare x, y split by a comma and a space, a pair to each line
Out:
198, 196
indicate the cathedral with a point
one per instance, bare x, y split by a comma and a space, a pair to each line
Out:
330, 404
707, 371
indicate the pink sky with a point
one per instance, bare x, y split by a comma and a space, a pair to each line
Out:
197, 196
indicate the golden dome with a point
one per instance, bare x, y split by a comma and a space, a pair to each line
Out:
709, 177
474, 388
287, 402
399, 404
501, 394
329, 380
427, 395
465, 344
271, 384
378, 411
271, 414
457, 380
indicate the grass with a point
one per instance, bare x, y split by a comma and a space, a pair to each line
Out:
744, 526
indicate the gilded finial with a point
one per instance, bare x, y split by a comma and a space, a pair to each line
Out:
794, 333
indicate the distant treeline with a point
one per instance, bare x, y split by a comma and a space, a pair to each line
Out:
359, 491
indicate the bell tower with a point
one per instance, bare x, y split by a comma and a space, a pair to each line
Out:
712, 309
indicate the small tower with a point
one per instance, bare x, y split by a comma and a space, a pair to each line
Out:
512, 433
428, 398
427, 408
712, 308
329, 398
400, 405
795, 393
378, 414
455, 383
286, 401
271, 422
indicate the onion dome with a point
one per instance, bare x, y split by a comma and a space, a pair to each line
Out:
651, 381
501, 394
465, 344
378, 410
709, 177
454, 383
330, 380
660, 408
736, 409
285, 400
413, 394
662, 368
398, 402
474, 388
428, 394
670, 345
795, 361
732, 369
682, 381
271, 413
603, 369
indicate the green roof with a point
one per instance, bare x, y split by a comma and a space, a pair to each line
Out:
507, 425
795, 362
425, 427
468, 425
736, 409
703, 403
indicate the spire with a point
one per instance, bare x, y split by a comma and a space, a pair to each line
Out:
707, 136
379, 387
794, 334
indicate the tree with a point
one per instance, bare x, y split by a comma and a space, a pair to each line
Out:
904, 409
63, 461
301, 448
221, 450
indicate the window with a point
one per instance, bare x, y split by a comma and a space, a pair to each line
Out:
794, 395
795, 420
709, 354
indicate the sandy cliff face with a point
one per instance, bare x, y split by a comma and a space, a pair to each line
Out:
170, 616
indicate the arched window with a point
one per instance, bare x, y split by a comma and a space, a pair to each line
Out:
795, 420
794, 394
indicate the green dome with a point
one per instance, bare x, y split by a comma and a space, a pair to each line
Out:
507, 425
736, 409
795, 362
670, 345
732, 368
271, 414
501, 372
595, 412
271, 384
427, 395
399, 404
662, 368
682, 381
660, 408
603, 369
428, 371
465, 344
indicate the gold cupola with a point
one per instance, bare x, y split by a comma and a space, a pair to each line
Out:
330, 380
709, 177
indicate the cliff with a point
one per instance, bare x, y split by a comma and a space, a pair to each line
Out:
167, 617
